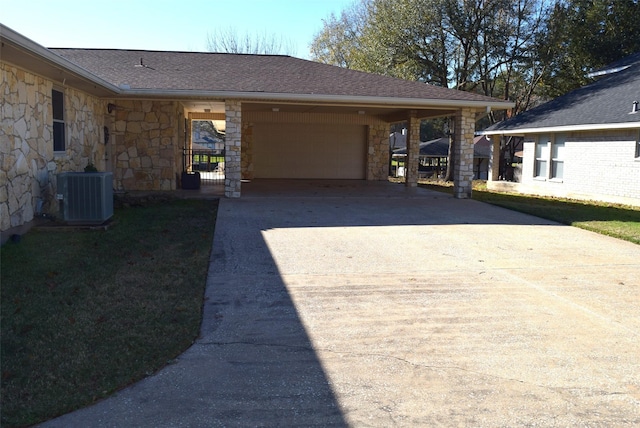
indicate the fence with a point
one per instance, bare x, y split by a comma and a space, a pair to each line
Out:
209, 163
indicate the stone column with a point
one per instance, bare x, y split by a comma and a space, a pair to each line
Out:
247, 151
465, 125
494, 158
233, 148
378, 152
413, 150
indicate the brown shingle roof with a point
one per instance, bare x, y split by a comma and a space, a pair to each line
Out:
276, 74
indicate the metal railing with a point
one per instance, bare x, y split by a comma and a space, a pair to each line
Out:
209, 163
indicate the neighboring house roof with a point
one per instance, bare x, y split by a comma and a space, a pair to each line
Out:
604, 104
440, 148
482, 147
397, 140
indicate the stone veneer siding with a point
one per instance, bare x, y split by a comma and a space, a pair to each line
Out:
233, 149
147, 145
28, 164
247, 151
465, 125
413, 151
378, 152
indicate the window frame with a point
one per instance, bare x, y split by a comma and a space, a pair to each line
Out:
541, 158
559, 157
546, 154
59, 125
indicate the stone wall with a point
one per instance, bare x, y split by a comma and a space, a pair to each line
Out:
28, 164
413, 151
465, 125
378, 152
233, 163
147, 144
247, 151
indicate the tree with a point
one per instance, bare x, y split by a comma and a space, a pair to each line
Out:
583, 35
338, 41
227, 40
525, 51
472, 45
484, 46
406, 38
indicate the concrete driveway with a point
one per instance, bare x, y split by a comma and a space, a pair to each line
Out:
355, 304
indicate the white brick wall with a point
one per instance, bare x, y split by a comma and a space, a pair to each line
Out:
597, 165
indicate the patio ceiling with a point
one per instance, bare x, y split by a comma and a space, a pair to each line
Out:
386, 113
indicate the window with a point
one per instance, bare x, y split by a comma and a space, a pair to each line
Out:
542, 156
58, 121
638, 146
557, 157
550, 154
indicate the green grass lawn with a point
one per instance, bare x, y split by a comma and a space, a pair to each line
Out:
619, 221
87, 312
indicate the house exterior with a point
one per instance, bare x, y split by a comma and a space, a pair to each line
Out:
129, 112
582, 145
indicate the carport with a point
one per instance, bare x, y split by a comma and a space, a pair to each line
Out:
308, 137
288, 118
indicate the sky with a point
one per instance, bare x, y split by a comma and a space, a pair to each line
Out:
163, 24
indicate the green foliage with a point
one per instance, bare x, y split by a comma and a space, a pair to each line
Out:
473, 45
525, 51
584, 35
406, 39
338, 41
434, 128
85, 313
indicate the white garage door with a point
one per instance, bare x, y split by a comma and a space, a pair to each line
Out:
309, 151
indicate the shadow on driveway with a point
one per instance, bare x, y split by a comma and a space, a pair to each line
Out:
378, 306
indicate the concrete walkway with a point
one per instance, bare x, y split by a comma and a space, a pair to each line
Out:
351, 304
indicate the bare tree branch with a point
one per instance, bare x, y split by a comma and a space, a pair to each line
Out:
229, 41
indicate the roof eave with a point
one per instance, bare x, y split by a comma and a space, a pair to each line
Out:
564, 128
322, 98
7, 35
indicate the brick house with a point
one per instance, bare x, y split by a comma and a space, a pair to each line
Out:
584, 144
129, 112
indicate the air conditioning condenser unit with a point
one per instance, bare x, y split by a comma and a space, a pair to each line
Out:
85, 197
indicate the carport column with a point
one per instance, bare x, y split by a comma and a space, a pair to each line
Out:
465, 125
233, 148
494, 158
413, 150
